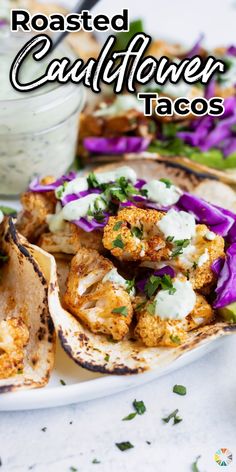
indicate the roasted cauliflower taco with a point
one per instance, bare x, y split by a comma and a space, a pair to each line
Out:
145, 270
27, 337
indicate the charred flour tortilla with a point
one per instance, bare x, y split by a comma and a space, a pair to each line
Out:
27, 338
87, 303
129, 356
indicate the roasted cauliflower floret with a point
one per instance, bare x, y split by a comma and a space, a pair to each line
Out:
14, 336
154, 331
70, 239
198, 257
32, 220
133, 235
98, 297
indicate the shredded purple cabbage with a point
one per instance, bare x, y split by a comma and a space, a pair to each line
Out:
217, 265
210, 89
195, 48
231, 51
72, 196
36, 186
215, 218
91, 225
226, 286
210, 132
3, 22
120, 145
140, 183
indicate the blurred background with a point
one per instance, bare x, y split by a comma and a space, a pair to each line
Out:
178, 19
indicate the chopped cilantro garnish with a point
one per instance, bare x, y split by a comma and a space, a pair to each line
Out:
117, 225
175, 339
62, 382
8, 211
170, 239
124, 446
154, 282
107, 358
143, 192
195, 465
44, 429
118, 242
95, 461
179, 246
92, 180
60, 190
131, 416
139, 407
137, 232
148, 442
120, 190
167, 182
121, 310
173, 415
194, 265
180, 389
151, 308
73, 469
130, 285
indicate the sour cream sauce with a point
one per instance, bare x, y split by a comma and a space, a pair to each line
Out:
178, 305
177, 224
158, 192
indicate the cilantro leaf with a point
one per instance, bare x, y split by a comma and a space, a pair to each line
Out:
130, 284
139, 407
62, 382
124, 446
195, 465
151, 308
180, 389
131, 416
122, 310
154, 282
176, 419
95, 461
179, 247
8, 211
92, 180
137, 232
107, 358
118, 242
167, 182
117, 225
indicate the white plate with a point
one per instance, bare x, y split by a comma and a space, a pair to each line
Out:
82, 385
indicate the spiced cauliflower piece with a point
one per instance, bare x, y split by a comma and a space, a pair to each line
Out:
133, 235
198, 257
32, 220
69, 239
154, 331
14, 336
97, 295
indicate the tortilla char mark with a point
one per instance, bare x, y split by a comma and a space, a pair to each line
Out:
93, 365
